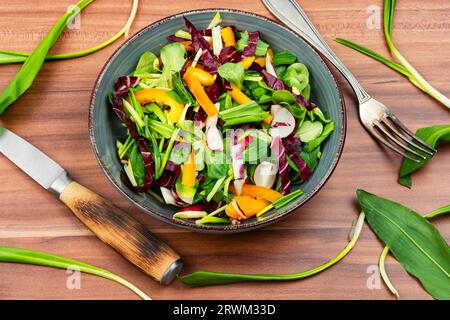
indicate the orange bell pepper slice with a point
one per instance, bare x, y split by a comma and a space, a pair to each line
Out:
187, 45
261, 61
238, 95
247, 62
188, 171
160, 96
250, 206
268, 120
195, 79
228, 37
258, 192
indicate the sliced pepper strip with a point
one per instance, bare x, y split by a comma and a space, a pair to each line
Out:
160, 96
195, 79
261, 61
238, 95
188, 171
228, 37
247, 62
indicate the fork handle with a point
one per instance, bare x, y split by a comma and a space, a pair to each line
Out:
290, 13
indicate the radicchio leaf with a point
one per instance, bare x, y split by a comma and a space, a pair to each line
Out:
210, 62
304, 102
198, 42
272, 81
293, 145
229, 54
215, 90
250, 49
122, 87
174, 38
169, 176
279, 152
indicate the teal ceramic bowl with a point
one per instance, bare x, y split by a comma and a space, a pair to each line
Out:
105, 127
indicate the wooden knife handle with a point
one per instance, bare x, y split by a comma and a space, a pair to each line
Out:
125, 234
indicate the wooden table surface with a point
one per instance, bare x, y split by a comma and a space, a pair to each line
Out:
53, 116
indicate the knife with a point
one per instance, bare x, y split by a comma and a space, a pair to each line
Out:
109, 223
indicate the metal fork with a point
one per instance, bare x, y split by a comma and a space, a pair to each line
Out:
375, 116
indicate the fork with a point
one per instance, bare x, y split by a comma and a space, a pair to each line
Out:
375, 116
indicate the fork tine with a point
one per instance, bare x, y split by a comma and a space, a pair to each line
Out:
410, 133
379, 125
388, 122
390, 145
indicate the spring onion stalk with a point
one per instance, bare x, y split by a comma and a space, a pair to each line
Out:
385, 252
403, 67
211, 219
215, 188
215, 21
217, 211
24, 78
16, 255
16, 56
168, 150
203, 278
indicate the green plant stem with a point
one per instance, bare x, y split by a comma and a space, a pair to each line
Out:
203, 278
385, 252
18, 57
16, 255
403, 67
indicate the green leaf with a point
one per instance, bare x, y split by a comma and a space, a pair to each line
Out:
233, 72
368, 52
283, 58
16, 255
216, 164
311, 158
173, 57
414, 241
434, 136
261, 46
145, 63
297, 76
137, 163
10, 56
279, 96
30, 69
313, 144
204, 278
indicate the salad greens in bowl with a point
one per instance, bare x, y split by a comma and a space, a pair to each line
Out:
218, 121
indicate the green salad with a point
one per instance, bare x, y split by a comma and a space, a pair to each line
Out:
219, 125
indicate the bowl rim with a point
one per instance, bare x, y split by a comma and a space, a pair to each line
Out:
218, 229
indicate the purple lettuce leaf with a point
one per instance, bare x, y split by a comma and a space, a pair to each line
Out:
229, 54
210, 62
215, 90
122, 87
293, 145
174, 38
304, 102
169, 176
250, 49
279, 152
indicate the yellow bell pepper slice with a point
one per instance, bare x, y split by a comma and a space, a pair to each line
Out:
247, 62
228, 37
160, 96
195, 79
188, 171
238, 95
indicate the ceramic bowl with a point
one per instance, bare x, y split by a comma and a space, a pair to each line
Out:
105, 127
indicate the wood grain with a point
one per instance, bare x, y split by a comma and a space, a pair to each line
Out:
127, 235
53, 116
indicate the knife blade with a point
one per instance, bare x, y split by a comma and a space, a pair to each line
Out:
109, 223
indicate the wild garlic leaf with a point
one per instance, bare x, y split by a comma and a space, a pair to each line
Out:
16, 255
414, 242
434, 136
